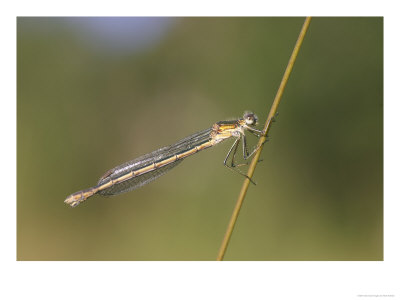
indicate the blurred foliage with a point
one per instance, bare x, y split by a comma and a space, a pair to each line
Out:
81, 111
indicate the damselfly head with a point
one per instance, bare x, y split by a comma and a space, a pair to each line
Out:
250, 118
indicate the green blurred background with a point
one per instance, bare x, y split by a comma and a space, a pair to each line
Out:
96, 92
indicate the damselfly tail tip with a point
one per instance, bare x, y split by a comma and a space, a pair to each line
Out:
79, 197
74, 199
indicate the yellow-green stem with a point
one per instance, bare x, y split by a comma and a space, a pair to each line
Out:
261, 141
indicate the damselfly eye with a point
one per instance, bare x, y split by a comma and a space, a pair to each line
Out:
250, 118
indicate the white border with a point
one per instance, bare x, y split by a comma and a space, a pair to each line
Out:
198, 280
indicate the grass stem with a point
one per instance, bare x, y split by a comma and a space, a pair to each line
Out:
262, 139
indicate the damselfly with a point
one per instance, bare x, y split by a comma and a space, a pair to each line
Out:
144, 169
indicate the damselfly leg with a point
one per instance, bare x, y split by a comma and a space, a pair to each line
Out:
233, 151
